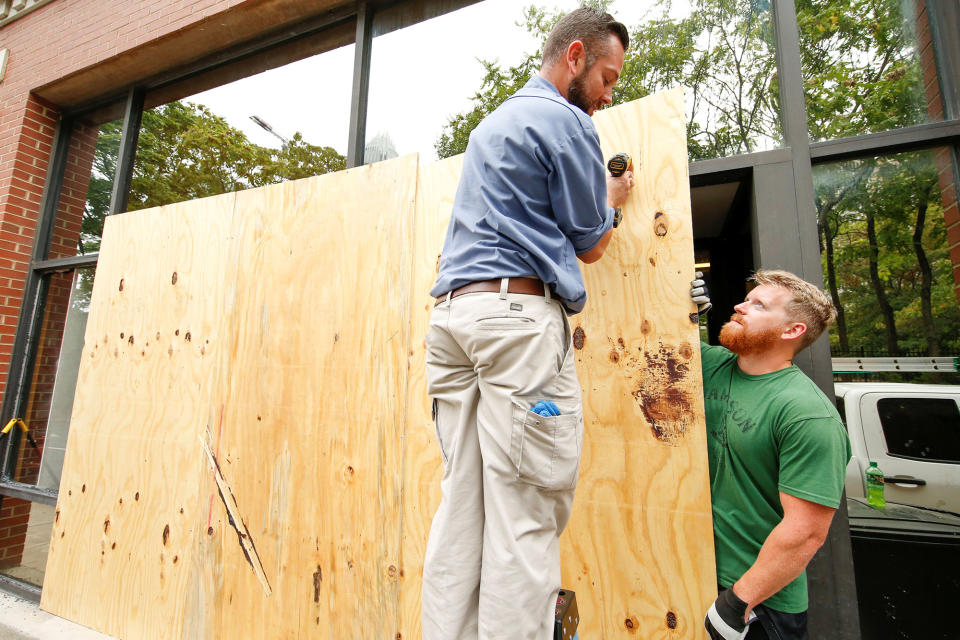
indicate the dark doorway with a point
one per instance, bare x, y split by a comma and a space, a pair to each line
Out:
722, 240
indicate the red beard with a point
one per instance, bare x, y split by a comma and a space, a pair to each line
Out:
743, 342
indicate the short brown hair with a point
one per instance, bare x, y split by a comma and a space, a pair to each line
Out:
591, 27
808, 303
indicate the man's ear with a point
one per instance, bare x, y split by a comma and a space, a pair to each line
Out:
576, 57
793, 331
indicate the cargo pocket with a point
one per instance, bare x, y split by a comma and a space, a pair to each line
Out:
435, 413
546, 449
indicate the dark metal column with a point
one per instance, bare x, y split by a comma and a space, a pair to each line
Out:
833, 596
361, 84
132, 116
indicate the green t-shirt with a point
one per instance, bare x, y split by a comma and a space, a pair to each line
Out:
765, 434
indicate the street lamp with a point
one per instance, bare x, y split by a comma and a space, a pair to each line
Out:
266, 127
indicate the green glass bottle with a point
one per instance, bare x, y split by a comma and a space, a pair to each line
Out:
875, 486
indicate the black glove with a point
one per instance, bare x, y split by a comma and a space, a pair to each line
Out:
724, 619
699, 293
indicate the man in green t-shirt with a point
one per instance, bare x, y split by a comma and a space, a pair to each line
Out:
777, 453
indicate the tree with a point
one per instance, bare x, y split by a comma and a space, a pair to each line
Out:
185, 151
722, 53
880, 221
829, 200
860, 67
885, 254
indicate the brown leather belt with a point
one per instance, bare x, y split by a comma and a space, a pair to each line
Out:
531, 286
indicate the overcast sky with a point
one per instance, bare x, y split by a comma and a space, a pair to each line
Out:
420, 77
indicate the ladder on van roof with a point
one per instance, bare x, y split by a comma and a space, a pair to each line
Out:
915, 363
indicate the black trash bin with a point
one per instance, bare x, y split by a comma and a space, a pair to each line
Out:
907, 567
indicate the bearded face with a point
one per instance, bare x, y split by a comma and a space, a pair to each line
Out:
577, 94
742, 340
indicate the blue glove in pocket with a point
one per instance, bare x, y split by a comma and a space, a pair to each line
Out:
545, 408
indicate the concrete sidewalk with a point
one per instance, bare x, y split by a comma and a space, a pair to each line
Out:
23, 620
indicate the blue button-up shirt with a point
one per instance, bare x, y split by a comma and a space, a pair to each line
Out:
532, 196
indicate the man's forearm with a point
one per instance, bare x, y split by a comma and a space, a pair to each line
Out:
597, 251
784, 555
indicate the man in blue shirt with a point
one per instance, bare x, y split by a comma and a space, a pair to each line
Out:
533, 199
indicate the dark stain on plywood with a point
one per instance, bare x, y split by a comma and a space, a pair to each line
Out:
317, 580
579, 337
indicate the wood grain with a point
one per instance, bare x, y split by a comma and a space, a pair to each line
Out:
422, 466
124, 544
254, 393
314, 403
639, 548
281, 348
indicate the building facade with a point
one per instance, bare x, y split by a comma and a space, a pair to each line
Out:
824, 139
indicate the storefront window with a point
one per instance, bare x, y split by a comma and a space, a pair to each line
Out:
884, 226
432, 83
41, 449
867, 66
286, 123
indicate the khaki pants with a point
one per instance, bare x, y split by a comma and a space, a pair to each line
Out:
492, 567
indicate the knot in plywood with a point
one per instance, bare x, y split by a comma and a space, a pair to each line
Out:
659, 224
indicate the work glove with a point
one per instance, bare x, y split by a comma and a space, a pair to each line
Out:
724, 619
699, 293
546, 409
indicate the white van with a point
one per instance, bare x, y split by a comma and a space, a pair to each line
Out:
912, 432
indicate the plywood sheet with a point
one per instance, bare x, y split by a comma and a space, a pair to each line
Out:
422, 466
248, 413
255, 396
313, 403
639, 548
123, 550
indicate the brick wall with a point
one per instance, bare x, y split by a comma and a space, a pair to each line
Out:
14, 515
944, 160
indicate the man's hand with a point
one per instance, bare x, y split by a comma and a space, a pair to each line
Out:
699, 293
618, 189
725, 617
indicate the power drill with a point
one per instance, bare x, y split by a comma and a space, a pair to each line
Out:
617, 165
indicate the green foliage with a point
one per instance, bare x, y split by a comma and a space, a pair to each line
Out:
722, 53
497, 86
898, 192
862, 73
185, 151
861, 68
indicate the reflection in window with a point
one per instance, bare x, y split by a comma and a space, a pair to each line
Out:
722, 51
259, 130
23, 552
885, 254
87, 183
867, 66
54, 379
187, 151
921, 428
